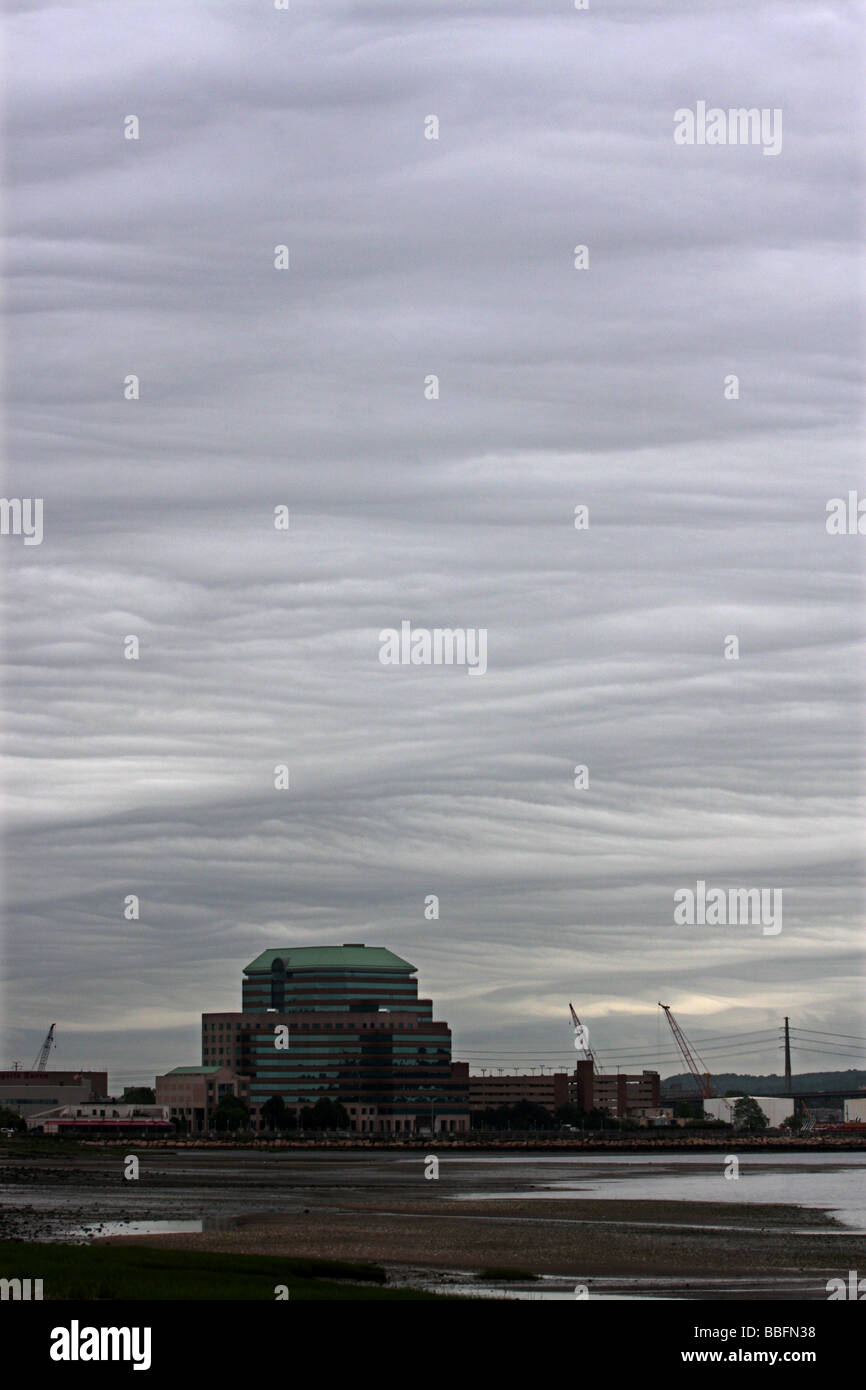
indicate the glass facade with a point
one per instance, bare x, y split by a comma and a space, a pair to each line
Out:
332, 1023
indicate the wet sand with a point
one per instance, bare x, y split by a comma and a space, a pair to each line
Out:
581, 1238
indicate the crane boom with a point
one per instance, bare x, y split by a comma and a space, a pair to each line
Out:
701, 1077
581, 1040
42, 1057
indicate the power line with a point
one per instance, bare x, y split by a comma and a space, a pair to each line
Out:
749, 1033
610, 1060
833, 1052
739, 1033
819, 1033
621, 1052
708, 1047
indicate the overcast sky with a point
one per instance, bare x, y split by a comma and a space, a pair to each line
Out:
559, 387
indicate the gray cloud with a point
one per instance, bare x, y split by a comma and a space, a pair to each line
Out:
558, 387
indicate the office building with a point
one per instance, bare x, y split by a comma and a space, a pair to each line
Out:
343, 1023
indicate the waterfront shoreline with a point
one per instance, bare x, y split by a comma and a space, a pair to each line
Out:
47, 1146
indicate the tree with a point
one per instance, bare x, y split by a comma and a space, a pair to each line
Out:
277, 1115
326, 1114
795, 1123
231, 1114
585, 1119
749, 1116
568, 1115
274, 1113
10, 1119
139, 1095
483, 1119
526, 1115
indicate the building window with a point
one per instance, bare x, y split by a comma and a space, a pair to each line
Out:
278, 985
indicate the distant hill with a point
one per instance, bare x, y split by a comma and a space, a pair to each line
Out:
683, 1083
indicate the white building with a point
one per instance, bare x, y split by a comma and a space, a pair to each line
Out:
855, 1110
776, 1108
104, 1117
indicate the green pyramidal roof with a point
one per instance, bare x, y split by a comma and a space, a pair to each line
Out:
351, 957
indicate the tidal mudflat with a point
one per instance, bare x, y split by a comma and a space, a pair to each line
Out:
608, 1223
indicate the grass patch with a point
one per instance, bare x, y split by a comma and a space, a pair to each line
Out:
142, 1272
501, 1274
40, 1146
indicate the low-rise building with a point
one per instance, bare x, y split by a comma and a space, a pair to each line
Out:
104, 1118
191, 1094
634, 1096
653, 1117
32, 1092
621, 1095
491, 1092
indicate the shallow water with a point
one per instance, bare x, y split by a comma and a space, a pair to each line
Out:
177, 1189
97, 1230
621, 1288
833, 1182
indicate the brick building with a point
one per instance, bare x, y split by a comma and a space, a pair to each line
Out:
490, 1092
622, 1095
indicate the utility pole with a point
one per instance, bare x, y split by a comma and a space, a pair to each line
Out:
787, 1058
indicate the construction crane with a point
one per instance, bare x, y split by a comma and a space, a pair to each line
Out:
701, 1075
581, 1040
809, 1122
42, 1056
